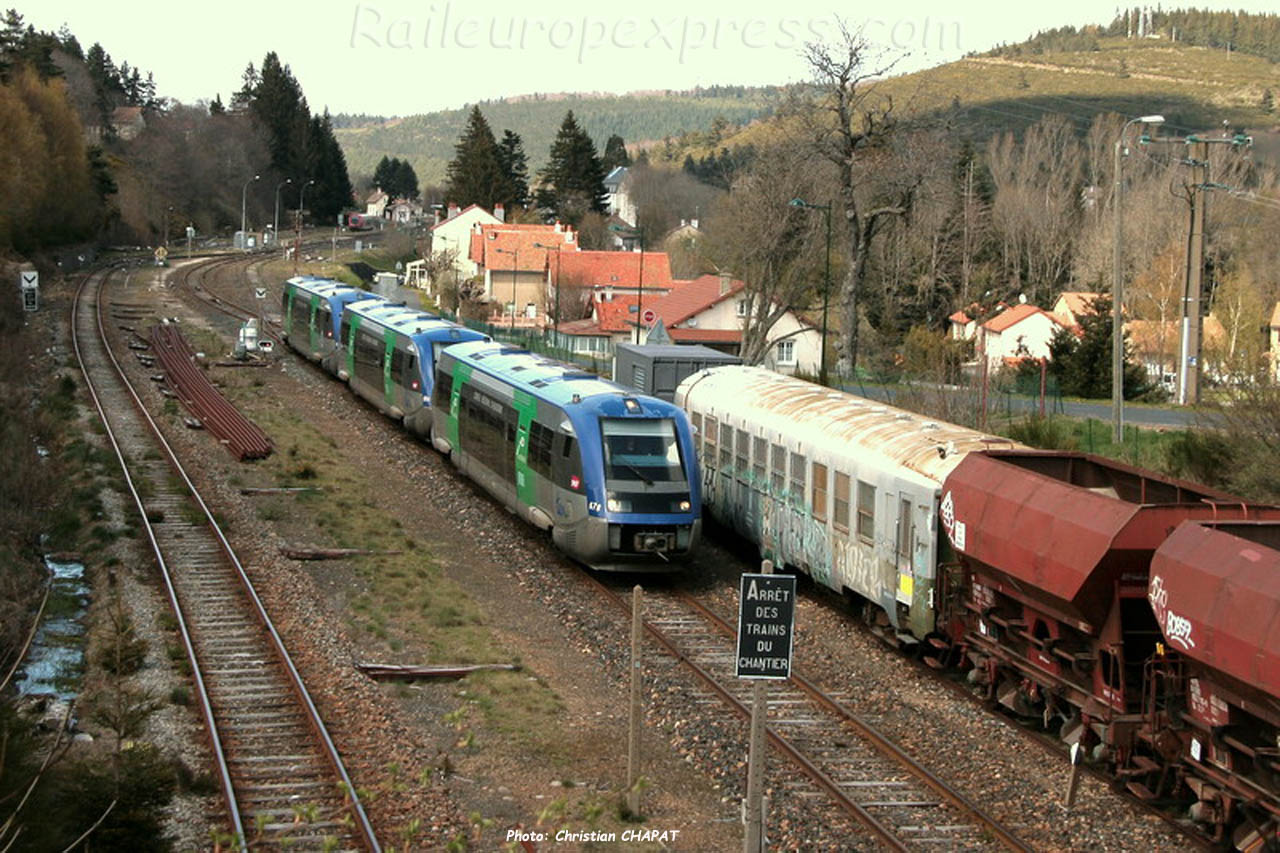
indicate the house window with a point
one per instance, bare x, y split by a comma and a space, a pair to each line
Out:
741, 307
787, 352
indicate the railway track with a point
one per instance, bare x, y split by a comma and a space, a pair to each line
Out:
280, 773
902, 804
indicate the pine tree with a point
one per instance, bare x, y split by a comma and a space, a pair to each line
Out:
1083, 365
327, 165
278, 105
216, 107
515, 169
615, 154
475, 174
405, 179
573, 181
382, 174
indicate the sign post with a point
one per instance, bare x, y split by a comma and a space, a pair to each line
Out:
766, 629
29, 284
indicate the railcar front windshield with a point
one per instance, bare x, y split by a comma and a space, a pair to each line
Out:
643, 466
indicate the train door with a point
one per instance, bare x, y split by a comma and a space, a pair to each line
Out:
388, 359
904, 549
314, 332
287, 314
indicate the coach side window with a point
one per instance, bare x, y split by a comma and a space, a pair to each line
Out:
841, 515
709, 443
819, 491
798, 469
866, 511
778, 470
760, 461
695, 420
726, 448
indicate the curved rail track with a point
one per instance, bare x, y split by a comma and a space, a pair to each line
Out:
279, 770
897, 799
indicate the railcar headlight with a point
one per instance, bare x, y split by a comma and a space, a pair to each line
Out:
684, 506
614, 505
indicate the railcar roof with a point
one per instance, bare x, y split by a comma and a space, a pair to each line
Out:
816, 415
542, 377
398, 316
326, 287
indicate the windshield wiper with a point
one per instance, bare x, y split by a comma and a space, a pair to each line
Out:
638, 473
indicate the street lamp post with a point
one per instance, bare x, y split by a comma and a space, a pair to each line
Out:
1117, 291
275, 234
244, 238
826, 287
555, 318
515, 263
302, 194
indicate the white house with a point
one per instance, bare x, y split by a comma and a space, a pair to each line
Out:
1017, 333
618, 199
453, 234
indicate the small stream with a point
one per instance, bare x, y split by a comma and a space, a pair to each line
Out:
55, 662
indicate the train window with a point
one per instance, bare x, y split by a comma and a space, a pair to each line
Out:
905, 528
819, 491
866, 511
840, 514
369, 352
742, 457
778, 470
709, 445
540, 439
726, 448
759, 458
324, 320
443, 390
301, 312
695, 419
798, 468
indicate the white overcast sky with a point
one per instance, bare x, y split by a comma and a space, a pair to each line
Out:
396, 57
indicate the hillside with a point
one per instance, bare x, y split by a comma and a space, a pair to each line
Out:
427, 140
1195, 88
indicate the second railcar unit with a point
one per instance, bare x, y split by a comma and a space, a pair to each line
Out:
842, 488
389, 354
312, 314
612, 475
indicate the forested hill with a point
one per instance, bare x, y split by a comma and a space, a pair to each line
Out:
427, 140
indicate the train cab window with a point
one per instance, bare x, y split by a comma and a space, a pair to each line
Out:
778, 469
866, 511
566, 464
799, 466
819, 491
840, 513
759, 460
742, 457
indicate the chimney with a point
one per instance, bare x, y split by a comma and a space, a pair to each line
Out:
500, 212
724, 283
557, 226
453, 210
435, 217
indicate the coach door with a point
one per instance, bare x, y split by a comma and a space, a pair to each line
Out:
904, 548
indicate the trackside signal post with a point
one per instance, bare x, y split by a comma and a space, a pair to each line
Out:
766, 629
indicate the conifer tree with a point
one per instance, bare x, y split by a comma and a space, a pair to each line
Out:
573, 181
515, 169
475, 174
615, 154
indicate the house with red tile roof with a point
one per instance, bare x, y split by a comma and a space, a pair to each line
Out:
1016, 333
709, 310
963, 327
515, 263
1071, 305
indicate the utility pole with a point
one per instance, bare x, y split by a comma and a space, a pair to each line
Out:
1189, 360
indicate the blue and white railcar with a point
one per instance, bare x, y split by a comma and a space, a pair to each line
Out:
312, 313
842, 488
611, 474
389, 354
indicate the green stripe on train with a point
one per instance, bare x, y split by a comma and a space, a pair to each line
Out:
527, 407
461, 376
388, 349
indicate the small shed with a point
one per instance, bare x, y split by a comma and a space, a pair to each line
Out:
658, 369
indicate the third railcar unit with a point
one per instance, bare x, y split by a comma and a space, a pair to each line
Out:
312, 313
837, 486
389, 355
612, 475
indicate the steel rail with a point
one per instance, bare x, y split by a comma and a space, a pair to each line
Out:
364, 827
